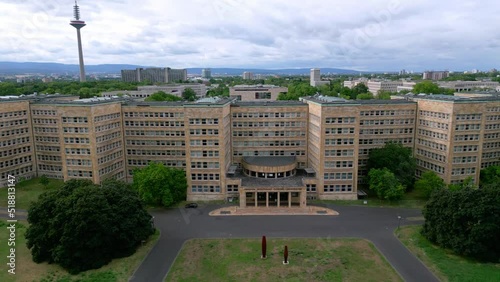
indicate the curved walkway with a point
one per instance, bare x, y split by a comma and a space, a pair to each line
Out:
237, 211
374, 224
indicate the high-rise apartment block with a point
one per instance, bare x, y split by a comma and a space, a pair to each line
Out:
266, 153
206, 73
435, 75
247, 75
256, 92
154, 75
315, 78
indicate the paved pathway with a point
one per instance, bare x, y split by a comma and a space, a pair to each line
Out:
374, 224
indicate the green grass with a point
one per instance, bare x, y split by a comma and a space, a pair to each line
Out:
410, 200
310, 260
28, 191
27, 270
446, 265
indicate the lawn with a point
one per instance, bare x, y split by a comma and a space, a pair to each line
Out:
410, 200
444, 264
27, 270
28, 191
310, 260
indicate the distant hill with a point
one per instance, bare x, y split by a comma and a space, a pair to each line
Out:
10, 68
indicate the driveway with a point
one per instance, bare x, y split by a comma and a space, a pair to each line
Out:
374, 224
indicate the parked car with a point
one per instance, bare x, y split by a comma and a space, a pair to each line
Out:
191, 206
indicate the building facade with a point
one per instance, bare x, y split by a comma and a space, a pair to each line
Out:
256, 92
154, 75
435, 75
265, 153
247, 75
146, 91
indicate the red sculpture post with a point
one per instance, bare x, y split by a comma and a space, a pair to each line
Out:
264, 247
286, 255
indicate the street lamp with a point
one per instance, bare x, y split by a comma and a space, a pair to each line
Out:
399, 221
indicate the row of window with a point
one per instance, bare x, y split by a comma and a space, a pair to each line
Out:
17, 172
492, 126
78, 162
44, 112
465, 159
107, 117
380, 131
387, 121
332, 153
232, 188
110, 157
204, 142
17, 131
465, 148
205, 176
431, 155
342, 130
493, 109
174, 153
465, 127
434, 114
15, 141
153, 115
437, 135
76, 140
340, 120
205, 188
337, 175
108, 147
432, 145
237, 133
345, 141
110, 168
382, 141
205, 165
16, 161
172, 163
269, 153
75, 129
13, 114
199, 154
268, 115
106, 127
165, 133
467, 137
269, 124
430, 166
155, 123
491, 155
203, 132
469, 117
15, 152
463, 170
79, 173
49, 158
339, 164
337, 188
387, 113
44, 121
197, 121
75, 120
492, 135
77, 151
13, 122
491, 145
48, 148
433, 124
179, 143
286, 143
49, 167
110, 136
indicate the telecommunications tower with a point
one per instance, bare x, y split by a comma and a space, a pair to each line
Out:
78, 24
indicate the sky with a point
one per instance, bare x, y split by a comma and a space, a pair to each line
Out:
369, 35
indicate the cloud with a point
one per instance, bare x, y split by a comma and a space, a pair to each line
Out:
369, 35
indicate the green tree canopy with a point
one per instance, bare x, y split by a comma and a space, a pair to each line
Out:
398, 159
489, 175
427, 87
385, 184
465, 221
360, 88
429, 182
364, 96
160, 185
189, 94
384, 95
83, 226
162, 96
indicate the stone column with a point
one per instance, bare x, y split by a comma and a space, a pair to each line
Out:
255, 198
243, 198
289, 199
279, 199
303, 198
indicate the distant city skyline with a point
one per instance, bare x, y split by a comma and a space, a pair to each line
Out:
366, 36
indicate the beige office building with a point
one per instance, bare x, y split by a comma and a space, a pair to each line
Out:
264, 153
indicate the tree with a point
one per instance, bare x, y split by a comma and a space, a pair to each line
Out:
359, 88
467, 183
160, 185
384, 95
189, 94
61, 221
162, 96
465, 221
428, 183
489, 175
44, 180
427, 87
385, 184
398, 159
364, 96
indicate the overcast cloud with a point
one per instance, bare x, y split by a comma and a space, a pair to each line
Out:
363, 35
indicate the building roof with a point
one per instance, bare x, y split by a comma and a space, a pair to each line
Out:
328, 100
267, 103
270, 161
